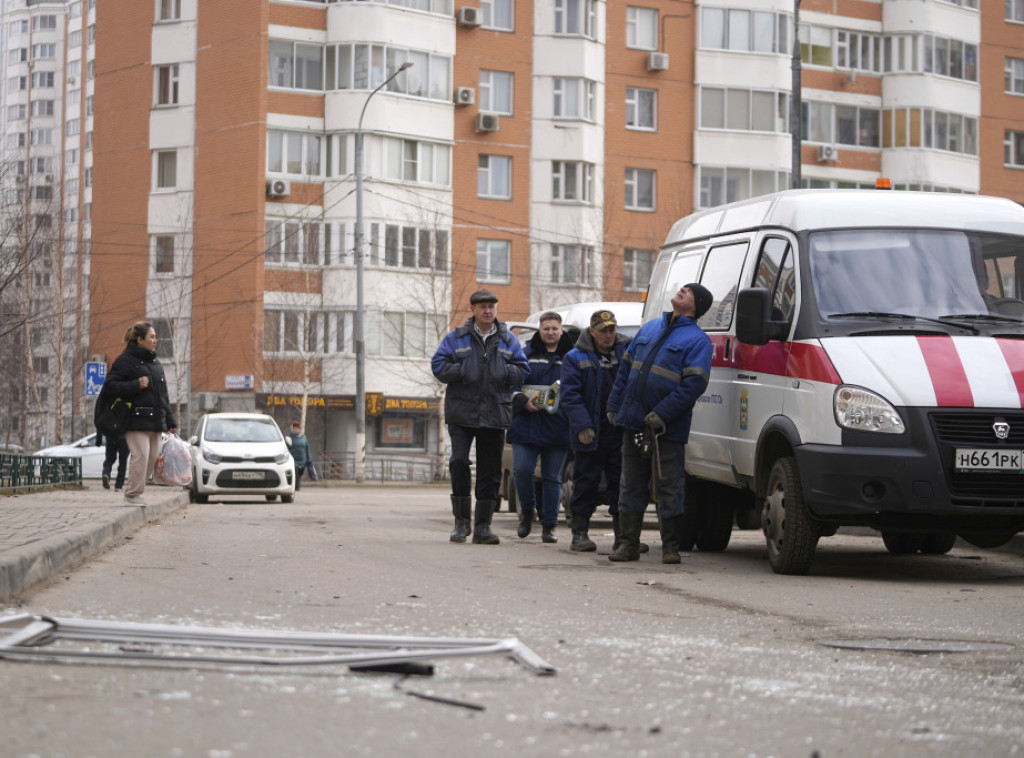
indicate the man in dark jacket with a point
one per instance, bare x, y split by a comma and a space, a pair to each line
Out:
480, 361
540, 432
666, 368
588, 373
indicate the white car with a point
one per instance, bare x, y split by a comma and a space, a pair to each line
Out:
86, 449
241, 454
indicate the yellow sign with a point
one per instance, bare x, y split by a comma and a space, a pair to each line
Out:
374, 403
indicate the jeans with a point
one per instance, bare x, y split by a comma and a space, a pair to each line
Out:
552, 460
116, 450
636, 478
489, 444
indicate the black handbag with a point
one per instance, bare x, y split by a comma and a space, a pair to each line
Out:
112, 422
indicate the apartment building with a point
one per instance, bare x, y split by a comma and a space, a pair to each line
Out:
541, 149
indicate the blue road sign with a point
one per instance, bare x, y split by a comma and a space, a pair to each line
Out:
95, 374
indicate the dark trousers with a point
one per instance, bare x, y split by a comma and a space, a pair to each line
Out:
116, 450
298, 476
586, 475
636, 477
489, 444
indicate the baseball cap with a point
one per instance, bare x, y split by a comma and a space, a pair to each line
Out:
602, 320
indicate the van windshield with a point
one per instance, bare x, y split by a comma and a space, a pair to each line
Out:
918, 273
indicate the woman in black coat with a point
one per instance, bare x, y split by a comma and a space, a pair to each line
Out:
137, 377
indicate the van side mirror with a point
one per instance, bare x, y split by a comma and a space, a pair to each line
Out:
754, 324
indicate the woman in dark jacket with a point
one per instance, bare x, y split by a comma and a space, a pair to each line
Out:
137, 377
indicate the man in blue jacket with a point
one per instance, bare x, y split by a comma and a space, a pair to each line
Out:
480, 362
540, 432
665, 369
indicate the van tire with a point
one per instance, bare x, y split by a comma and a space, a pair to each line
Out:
790, 532
903, 543
715, 514
938, 543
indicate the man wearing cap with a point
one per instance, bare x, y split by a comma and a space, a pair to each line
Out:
665, 369
480, 362
588, 373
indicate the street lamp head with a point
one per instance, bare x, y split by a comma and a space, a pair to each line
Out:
404, 66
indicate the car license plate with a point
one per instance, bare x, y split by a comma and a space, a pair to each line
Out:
246, 474
980, 459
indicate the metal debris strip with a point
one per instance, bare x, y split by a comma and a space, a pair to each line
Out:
26, 637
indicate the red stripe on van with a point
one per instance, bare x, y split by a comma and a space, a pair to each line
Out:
796, 360
949, 380
1013, 352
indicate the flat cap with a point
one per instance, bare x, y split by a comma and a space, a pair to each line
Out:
482, 296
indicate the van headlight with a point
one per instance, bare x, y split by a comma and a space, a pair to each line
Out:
864, 411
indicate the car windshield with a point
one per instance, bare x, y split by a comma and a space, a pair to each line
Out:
918, 273
241, 430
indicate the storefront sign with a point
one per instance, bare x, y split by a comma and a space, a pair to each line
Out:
396, 431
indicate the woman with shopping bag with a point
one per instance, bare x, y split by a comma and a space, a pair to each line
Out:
300, 452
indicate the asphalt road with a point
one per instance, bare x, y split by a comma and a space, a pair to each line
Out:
871, 655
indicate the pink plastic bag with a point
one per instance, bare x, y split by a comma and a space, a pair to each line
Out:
174, 463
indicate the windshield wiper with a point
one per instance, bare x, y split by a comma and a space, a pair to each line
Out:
906, 317
984, 317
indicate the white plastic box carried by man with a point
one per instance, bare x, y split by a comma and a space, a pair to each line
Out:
868, 368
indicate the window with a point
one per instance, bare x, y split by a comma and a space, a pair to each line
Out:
44, 22
844, 124
1013, 148
74, 97
163, 254
41, 364
641, 109
413, 161
743, 30
17, 112
42, 137
494, 176
75, 39
641, 28
41, 79
42, 192
720, 185
17, 84
44, 51
74, 126
572, 181
775, 273
42, 107
859, 51
413, 247
166, 169
75, 9
935, 130
744, 110
408, 432
574, 99
951, 57
576, 17
1015, 10
292, 241
721, 275
165, 338
42, 165
572, 264
496, 92
364, 66
498, 14
167, 85
295, 65
168, 10
637, 265
816, 45
16, 140
640, 189
1015, 76
493, 260
18, 55
294, 153
18, 27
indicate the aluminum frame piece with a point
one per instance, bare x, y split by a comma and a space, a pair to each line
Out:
26, 637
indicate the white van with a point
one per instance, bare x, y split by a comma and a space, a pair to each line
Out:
868, 368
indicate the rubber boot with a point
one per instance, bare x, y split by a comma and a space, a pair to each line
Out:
525, 522
482, 534
644, 547
581, 542
671, 530
630, 525
548, 534
461, 507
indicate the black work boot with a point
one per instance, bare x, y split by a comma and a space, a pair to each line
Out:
644, 547
671, 529
482, 534
548, 534
581, 542
461, 507
630, 525
525, 522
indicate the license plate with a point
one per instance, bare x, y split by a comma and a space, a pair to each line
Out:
979, 459
246, 474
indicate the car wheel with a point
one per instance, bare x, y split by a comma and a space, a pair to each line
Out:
287, 498
748, 518
987, 539
790, 532
938, 543
903, 543
271, 498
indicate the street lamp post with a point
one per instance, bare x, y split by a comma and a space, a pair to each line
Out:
360, 325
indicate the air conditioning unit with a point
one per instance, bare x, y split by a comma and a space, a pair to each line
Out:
469, 16
48, 178
657, 61
828, 153
487, 122
465, 96
279, 188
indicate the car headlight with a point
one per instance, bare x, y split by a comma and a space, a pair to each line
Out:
211, 457
282, 457
862, 410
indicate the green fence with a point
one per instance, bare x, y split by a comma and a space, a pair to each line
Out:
24, 473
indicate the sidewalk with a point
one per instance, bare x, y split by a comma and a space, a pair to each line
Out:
44, 533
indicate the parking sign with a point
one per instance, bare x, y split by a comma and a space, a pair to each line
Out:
95, 374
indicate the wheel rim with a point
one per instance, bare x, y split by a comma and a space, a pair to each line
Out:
774, 517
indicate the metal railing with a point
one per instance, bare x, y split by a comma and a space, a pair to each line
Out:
383, 468
23, 473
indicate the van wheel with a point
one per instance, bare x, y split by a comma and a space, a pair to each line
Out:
902, 543
748, 518
716, 517
938, 543
694, 496
789, 530
987, 540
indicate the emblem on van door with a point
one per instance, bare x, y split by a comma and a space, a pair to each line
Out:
1002, 430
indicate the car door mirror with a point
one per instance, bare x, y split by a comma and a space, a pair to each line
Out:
193, 440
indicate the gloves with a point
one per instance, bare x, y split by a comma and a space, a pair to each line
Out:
654, 421
610, 415
586, 436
